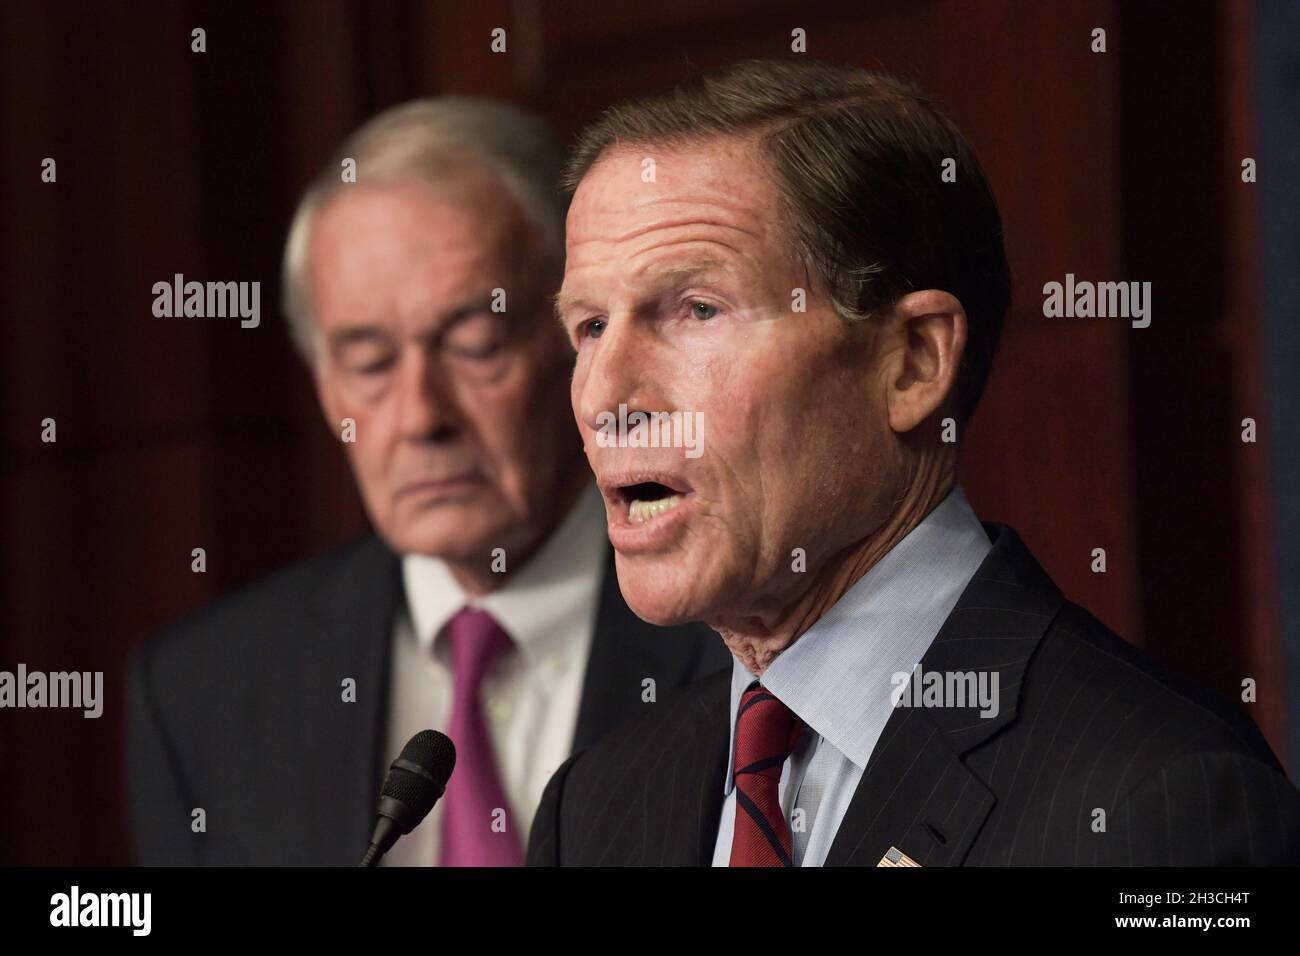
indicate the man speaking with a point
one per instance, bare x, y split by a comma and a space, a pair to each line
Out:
772, 247
419, 293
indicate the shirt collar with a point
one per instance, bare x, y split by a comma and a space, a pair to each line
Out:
536, 603
837, 676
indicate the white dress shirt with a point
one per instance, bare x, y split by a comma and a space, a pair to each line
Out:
531, 698
837, 677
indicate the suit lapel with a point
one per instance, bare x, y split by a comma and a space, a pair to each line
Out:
915, 793
344, 760
686, 820
625, 650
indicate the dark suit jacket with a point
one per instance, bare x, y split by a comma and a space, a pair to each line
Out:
238, 710
1086, 722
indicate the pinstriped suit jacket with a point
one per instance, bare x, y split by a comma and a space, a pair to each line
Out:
1096, 757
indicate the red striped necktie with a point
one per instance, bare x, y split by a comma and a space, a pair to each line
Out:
766, 731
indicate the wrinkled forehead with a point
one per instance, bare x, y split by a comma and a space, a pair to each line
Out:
644, 213
390, 231
472, 204
631, 188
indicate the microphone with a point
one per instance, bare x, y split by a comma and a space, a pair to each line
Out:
415, 781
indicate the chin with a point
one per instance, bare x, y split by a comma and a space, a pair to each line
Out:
660, 592
454, 534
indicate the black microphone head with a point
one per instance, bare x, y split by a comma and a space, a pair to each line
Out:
415, 781
419, 775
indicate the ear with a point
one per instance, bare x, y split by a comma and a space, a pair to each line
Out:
928, 336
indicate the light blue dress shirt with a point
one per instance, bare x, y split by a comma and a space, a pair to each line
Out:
837, 677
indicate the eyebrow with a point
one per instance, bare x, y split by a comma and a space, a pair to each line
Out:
693, 267
351, 334
697, 265
566, 303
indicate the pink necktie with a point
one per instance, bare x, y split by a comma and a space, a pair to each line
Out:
475, 803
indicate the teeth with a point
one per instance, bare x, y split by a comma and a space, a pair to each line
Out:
643, 511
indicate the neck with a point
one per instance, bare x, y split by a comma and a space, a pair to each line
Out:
757, 640
477, 579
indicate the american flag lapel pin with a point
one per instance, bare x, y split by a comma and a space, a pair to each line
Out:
896, 857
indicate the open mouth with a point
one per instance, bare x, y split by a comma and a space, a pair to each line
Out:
644, 501
648, 500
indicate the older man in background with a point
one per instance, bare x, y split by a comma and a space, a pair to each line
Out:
419, 292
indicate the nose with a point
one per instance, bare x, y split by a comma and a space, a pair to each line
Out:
427, 408
618, 372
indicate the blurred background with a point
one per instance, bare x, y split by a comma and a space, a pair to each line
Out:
183, 433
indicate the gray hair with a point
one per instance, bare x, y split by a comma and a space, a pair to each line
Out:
432, 141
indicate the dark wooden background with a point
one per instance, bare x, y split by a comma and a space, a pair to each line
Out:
176, 434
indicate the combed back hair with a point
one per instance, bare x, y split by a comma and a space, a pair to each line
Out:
434, 141
857, 158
